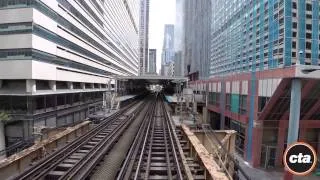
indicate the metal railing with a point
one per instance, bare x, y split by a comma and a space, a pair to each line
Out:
238, 171
17, 147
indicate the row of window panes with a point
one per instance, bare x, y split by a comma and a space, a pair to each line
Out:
44, 9
27, 54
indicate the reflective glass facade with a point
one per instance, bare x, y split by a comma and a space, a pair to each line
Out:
255, 35
196, 38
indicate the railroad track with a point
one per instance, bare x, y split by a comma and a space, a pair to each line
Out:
79, 158
153, 154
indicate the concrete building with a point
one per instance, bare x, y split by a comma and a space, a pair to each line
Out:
179, 38
264, 67
144, 37
196, 38
58, 57
168, 44
167, 55
178, 64
152, 61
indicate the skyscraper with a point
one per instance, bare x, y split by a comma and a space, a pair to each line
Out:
179, 38
168, 44
144, 36
167, 55
196, 38
152, 61
58, 57
275, 34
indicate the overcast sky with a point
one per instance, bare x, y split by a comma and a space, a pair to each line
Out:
161, 12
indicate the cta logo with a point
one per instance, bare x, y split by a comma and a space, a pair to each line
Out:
300, 159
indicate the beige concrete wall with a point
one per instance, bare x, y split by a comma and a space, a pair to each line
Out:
17, 163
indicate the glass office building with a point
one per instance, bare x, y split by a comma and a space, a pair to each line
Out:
196, 38
255, 35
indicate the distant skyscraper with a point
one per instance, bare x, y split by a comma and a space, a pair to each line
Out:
144, 36
152, 61
168, 44
179, 38
178, 64
167, 55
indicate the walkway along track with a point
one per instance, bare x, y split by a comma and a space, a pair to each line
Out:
153, 154
78, 159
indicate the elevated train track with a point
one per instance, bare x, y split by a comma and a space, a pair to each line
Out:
77, 159
137, 142
154, 154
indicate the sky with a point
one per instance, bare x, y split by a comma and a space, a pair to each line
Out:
161, 12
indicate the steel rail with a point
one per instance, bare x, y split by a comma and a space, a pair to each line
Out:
173, 143
46, 164
167, 151
149, 154
142, 150
85, 165
153, 152
83, 170
133, 151
158, 123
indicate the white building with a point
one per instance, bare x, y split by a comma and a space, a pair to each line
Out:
57, 57
144, 37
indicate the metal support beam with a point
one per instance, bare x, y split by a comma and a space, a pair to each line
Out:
222, 104
304, 94
2, 140
312, 110
274, 99
294, 117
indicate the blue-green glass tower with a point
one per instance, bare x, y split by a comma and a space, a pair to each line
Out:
255, 35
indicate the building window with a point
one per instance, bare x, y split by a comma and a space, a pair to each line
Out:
294, 5
308, 45
241, 133
294, 25
294, 34
309, 7
294, 14
309, 16
228, 102
294, 45
243, 104
308, 55
308, 36
309, 26
262, 101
